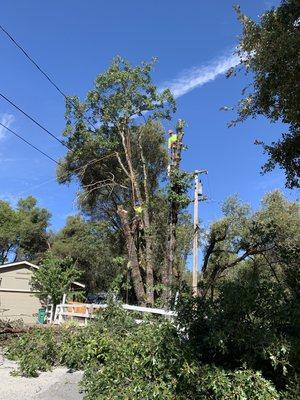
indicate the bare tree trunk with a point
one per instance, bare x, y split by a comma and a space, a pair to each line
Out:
133, 258
145, 215
167, 272
148, 235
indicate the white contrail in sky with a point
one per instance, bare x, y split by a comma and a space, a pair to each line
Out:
198, 76
7, 120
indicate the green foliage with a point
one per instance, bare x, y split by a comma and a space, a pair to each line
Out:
214, 383
94, 248
151, 363
81, 346
35, 351
54, 278
269, 49
268, 239
74, 346
180, 183
121, 93
292, 391
23, 231
238, 340
119, 156
250, 322
248, 312
138, 366
123, 360
133, 93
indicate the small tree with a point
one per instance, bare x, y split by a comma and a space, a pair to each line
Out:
54, 279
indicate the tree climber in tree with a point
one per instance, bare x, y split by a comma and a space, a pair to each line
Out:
138, 208
172, 139
137, 226
137, 222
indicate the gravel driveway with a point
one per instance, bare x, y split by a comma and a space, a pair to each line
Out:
56, 385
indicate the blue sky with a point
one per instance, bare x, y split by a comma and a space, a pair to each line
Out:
76, 40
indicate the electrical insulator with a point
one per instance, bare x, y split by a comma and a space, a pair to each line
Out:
200, 189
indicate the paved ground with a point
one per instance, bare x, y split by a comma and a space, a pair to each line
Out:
56, 385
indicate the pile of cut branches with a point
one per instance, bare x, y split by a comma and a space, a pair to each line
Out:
10, 329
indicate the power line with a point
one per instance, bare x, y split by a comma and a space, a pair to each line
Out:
31, 188
42, 71
83, 167
29, 144
32, 61
33, 120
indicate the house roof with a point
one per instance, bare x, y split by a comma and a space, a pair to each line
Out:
15, 264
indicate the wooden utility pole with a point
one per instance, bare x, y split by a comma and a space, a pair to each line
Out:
198, 196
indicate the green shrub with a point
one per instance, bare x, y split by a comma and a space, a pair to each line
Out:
124, 360
35, 351
152, 363
209, 382
80, 346
143, 365
251, 322
71, 345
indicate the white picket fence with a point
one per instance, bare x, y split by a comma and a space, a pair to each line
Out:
82, 312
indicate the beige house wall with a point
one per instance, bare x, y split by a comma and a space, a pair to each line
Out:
17, 301
16, 278
19, 305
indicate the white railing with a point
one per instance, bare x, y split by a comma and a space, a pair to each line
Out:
49, 313
83, 312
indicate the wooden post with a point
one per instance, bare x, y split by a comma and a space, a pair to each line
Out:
198, 196
64, 299
195, 238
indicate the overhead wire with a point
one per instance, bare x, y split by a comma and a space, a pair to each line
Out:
82, 168
45, 129
33, 120
43, 72
52, 159
27, 55
29, 143
68, 99
52, 82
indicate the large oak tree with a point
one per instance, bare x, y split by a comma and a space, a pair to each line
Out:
118, 155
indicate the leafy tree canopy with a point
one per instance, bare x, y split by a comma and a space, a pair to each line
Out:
267, 239
269, 50
96, 249
23, 231
118, 155
54, 278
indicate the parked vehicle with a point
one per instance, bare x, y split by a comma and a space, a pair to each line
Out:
97, 298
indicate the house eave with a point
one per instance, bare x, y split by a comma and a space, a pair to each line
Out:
30, 265
17, 290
